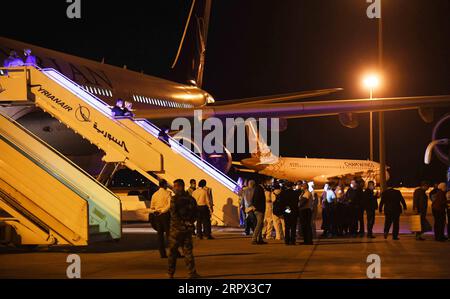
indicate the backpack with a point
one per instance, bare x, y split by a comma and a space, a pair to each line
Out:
186, 209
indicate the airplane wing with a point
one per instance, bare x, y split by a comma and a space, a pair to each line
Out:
278, 98
305, 109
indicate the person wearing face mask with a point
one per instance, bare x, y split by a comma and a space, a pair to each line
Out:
370, 206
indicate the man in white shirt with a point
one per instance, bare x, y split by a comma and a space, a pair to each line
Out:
159, 210
203, 197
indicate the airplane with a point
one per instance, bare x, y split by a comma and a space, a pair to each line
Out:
319, 171
160, 99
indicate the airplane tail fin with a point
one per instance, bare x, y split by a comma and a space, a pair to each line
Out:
189, 62
261, 151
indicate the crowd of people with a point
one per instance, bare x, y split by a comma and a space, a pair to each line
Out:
290, 210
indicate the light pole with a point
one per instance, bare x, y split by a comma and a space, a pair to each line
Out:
382, 147
371, 82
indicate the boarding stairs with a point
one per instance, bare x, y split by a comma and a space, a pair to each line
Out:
130, 142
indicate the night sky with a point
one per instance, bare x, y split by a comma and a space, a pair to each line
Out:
260, 48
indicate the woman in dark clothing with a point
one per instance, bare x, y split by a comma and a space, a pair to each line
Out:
439, 212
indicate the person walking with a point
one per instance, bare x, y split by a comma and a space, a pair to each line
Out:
370, 205
204, 210
183, 209
392, 201
420, 207
439, 207
159, 210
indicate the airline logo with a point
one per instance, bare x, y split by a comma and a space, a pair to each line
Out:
55, 99
367, 164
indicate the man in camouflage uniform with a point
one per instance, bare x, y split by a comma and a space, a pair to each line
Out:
182, 216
